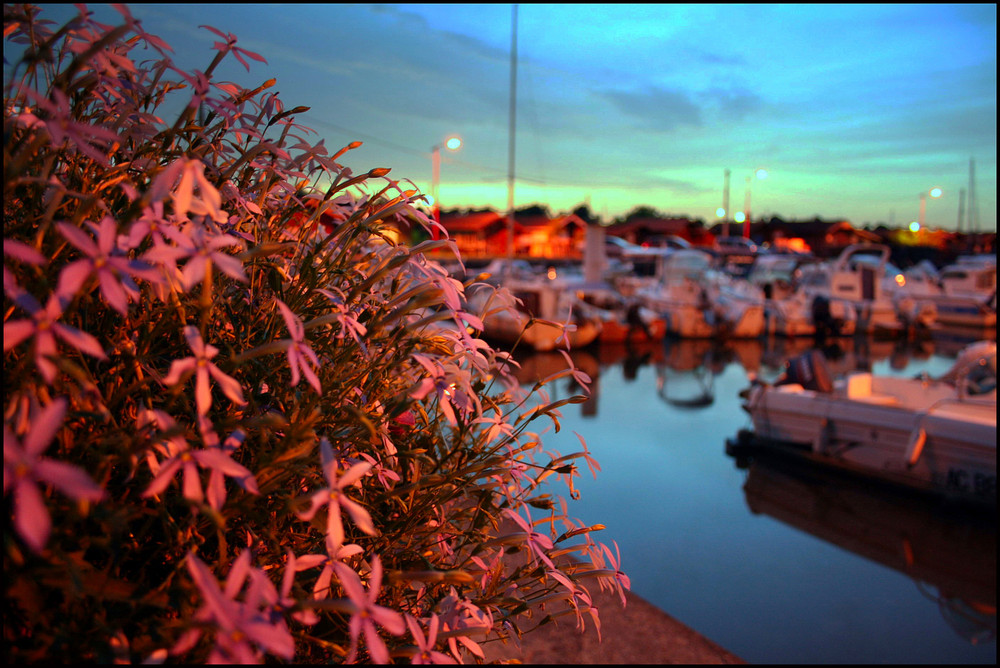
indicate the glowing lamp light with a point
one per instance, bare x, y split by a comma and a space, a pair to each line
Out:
936, 192
739, 216
452, 143
720, 212
914, 226
761, 174
900, 280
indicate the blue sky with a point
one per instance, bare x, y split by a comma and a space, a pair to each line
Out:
854, 110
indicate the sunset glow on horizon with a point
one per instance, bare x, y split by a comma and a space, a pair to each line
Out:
850, 110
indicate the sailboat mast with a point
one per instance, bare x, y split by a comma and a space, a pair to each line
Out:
511, 139
972, 213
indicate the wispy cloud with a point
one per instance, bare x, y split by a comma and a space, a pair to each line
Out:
656, 108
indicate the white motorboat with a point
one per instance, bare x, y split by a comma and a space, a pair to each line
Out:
935, 435
857, 278
912, 292
968, 295
789, 309
623, 319
698, 301
548, 315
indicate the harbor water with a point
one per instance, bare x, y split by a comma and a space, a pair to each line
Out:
777, 564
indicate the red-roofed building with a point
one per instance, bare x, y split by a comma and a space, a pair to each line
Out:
477, 233
638, 229
484, 233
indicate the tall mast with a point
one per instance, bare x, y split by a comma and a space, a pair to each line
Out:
511, 139
725, 204
961, 208
973, 214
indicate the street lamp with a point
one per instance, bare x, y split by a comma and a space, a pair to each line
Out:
760, 173
935, 193
452, 143
723, 211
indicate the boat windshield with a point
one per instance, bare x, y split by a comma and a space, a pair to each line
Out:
874, 261
686, 264
771, 267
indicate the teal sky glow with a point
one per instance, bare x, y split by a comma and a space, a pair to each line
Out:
854, 110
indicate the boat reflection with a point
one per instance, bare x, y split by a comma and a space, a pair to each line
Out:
949, 341
843, 355
685, 369
950, 555
538, 366
685, 379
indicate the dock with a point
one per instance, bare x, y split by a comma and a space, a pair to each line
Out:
640, 633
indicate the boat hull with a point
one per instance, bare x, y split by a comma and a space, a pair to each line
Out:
968, 312
617, 331
949, 449
690, 321
510, 330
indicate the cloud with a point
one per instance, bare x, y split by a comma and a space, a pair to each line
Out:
656, 108
735, 104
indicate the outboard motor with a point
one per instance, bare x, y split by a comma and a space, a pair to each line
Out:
808, 370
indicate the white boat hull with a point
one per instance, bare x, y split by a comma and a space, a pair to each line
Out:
920, 433
957, 457
511, 329
963, 312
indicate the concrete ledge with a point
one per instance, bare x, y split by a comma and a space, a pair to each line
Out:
640, 633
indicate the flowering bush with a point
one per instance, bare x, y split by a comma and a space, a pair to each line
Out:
240, 421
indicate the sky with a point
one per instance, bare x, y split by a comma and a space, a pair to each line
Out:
855, 111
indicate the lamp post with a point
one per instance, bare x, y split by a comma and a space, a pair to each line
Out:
452, 143
723, 211
935, 193
760, 173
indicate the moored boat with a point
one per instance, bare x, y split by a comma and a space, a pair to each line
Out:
547, 316
791, 309
623, 319
857, 278
934, 435
696, 301
968, 296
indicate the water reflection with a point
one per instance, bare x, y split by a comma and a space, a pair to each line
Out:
686, 378
676, 504
685, 369
950, 555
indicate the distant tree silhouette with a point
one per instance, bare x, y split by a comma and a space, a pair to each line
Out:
533, 210
583, 212
642, 211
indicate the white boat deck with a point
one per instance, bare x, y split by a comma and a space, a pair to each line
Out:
905, 394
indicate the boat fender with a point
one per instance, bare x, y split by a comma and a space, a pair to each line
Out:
822, 440
915, 447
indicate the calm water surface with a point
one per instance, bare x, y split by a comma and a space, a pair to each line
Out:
777, 565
